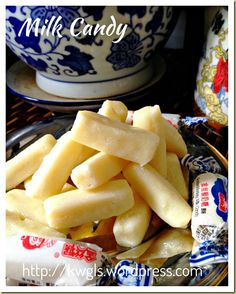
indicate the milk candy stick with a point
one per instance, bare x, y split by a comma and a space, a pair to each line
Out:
15, 225
24, 164
174, 141
130, 227
175, 175
65, 188
79, 207
135, 252
150, 119
114, 109
160, 195
169, 242
114, 137
96, 170
56, 168
32, 208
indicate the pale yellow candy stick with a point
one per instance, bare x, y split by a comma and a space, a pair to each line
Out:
169, 242
154, 263
79, 207
15, 225
159, 194
175, 175
56, 168
26, 207
105, 227
67, 187
135, 252
80, 232
174, 141
114, 137
96, 170
114, 109
130, 227
27, 182
150, 119
24, 164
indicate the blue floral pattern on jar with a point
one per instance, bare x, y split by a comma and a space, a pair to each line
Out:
83, 64
129, 52
45, 53
68, 14
126, 52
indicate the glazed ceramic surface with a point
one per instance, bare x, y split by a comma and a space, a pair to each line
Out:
211, 95
87, 65
21, 83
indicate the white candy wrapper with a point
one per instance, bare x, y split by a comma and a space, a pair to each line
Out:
210, 210
46, 262
209, 220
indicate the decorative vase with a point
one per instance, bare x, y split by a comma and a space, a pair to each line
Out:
89, 66
211, 95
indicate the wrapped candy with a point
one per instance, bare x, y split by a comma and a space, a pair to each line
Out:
209, 220
50, 262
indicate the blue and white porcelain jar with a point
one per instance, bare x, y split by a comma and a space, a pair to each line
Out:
95, 65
